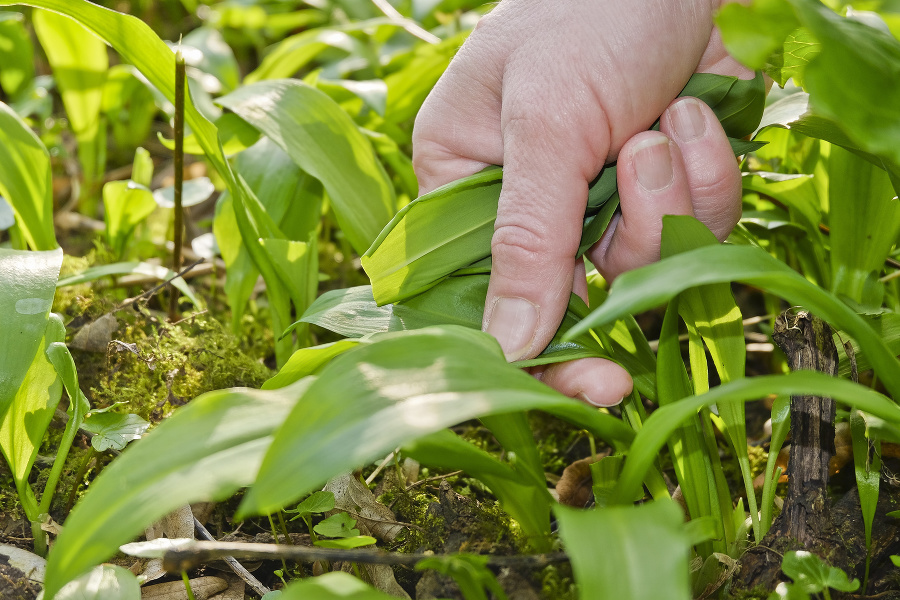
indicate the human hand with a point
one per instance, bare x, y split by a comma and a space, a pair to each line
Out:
553, 91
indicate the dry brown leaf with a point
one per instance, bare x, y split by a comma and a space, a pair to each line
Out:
177, 524
575, 487
382, 577
204, 588
96, 336
352, 496
235, 591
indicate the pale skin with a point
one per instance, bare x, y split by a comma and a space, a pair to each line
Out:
553, 90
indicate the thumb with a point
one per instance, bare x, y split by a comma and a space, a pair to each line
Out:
547, 168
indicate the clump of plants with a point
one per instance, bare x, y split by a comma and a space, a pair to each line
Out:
303, 226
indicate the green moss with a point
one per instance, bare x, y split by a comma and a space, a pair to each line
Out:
557, 582
153, 367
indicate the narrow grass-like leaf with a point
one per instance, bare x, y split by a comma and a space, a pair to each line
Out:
25, 180
655, 284
632, 539
125, 204
325, 142
781, 424
206, 451
16, 54
867, 468
712, 314
307, 361
405, 385
666, 420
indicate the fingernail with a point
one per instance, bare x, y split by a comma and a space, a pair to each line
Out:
585, 398
687, 117
653, 163
513, 322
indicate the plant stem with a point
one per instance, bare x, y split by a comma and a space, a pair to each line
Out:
178, 229
275, 536
187, 585
284, 529
64, 446
82, 470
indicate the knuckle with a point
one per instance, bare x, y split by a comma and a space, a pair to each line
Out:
521, 245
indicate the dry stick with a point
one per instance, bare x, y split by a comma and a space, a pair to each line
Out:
408, 24
232, 562
196, 553
155, 289
177, 235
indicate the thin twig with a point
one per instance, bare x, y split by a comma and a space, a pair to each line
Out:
435, 478
237, 567
408, 24
155, 289
196, 553
380, 467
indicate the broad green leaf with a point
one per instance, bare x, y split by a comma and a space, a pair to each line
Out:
126, 204
650, 286
25, 180
297, 264
142, 168
129, 106
131, 268
331, 586
525, 499
752, 33
24, 423
632, 538
811, 573
206, 451
205, 49
292, 198
337, 526
788, 591
860, 195
79, 63
318, 502
16, 54
370, 400
28, 284
324, 141
307, 361
455, 301
661, 424
193, 192
469, 571
105, 582
296, 51
347, 543
113, 430
853, 80
235, 134
790, 62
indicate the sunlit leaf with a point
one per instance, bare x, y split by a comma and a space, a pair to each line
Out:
105, 582
113, 430
811, 573
633, 538
331, 586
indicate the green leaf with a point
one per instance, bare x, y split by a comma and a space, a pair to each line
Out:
16, 54
318, 502
297, 265
194, 192
657, 429
129, 106
126, 204
347, 543
332, 586
323, 141
781, 424
867, 468
811, 573
105, 582
451, 227
307, 361
370, 400
205, 451
654, 284
752, 33
205, 49
293, 53
24, 423
25, 180
788, 591
458, 300
469, 571
860, 195
28, 284
131, 268
113, 430
340, 525
633, 538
